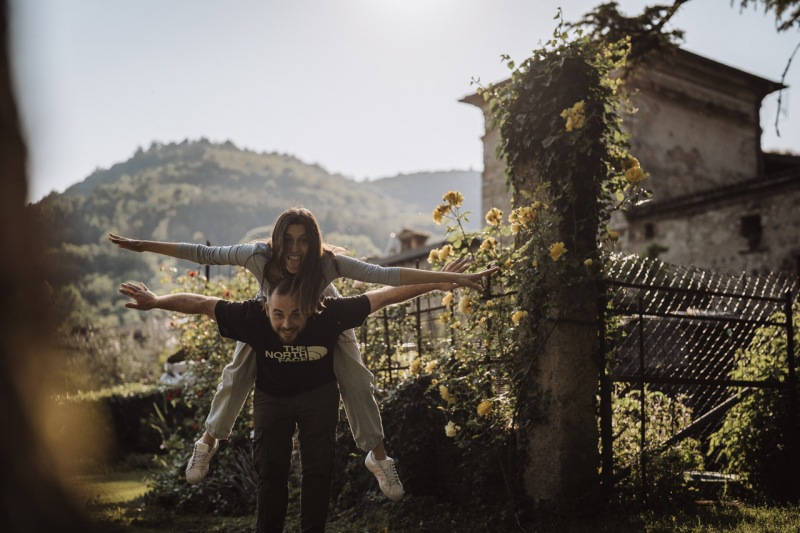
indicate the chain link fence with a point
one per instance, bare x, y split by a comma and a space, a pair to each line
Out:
673, 336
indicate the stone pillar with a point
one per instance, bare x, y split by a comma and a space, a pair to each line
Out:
558, 434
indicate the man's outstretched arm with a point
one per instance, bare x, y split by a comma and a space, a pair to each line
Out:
183, 302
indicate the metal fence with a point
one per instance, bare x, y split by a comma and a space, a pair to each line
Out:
668, 331
393, 337
676, 332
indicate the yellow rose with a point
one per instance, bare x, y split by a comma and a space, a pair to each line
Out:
415, 366
431, 366
447, 299
574, 116
631, 162
613, 235
445, 394
535, 263
444, 318
517, 316
439, 212
526, 216
493, 216
433, 256
515, 227
455, 325
445, 252
489, 244
634, 175
508, 263
451, 429
588, 262
465, 305
484, 408
453, 198
557, 250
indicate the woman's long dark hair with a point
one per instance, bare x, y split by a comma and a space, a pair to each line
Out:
309, 282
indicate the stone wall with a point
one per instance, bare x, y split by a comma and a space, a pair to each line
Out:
716, 236
696, 130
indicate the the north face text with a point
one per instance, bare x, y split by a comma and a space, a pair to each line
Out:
298, 354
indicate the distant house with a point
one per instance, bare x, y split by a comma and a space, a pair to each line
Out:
719, 202
408, 248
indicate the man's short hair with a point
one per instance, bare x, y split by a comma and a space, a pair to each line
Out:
281, 287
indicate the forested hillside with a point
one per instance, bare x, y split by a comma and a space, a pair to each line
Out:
198, 191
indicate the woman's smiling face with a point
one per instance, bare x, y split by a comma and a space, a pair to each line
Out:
295, 244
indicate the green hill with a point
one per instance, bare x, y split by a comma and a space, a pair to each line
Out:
198, 191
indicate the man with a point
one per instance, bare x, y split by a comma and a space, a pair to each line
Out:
295, 383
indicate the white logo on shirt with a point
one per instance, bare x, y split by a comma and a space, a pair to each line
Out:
298, 354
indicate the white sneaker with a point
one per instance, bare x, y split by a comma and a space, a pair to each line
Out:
387, 476
197, 468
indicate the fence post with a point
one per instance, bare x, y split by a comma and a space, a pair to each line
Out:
418, 317
606, 411
386, 343
793, 443
642, 404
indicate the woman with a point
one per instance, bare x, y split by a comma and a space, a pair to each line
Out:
296, 250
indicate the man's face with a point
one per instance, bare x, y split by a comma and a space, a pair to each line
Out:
285, 317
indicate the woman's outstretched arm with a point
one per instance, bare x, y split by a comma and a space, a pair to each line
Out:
136, 245
252, 256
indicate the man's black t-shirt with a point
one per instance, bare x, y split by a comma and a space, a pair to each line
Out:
307, 363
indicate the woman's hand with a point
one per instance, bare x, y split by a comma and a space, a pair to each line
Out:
472, 280
134, 245
137, 245
458, 266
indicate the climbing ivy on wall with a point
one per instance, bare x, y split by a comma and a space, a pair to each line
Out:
567, 162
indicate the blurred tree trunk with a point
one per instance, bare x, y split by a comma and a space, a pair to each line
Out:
33, 497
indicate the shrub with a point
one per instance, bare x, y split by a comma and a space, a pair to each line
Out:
229, 487
429, 462
752, 441
121, 417
666, 468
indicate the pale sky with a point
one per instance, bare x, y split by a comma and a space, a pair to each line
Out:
364, 88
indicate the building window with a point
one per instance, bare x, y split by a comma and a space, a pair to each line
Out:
649, 231
752, 231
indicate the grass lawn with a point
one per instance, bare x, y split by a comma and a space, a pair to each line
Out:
115, 500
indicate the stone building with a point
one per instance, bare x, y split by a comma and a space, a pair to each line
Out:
719, 201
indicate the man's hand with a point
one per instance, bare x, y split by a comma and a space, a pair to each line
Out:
143, 298
182, 302
134, 245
